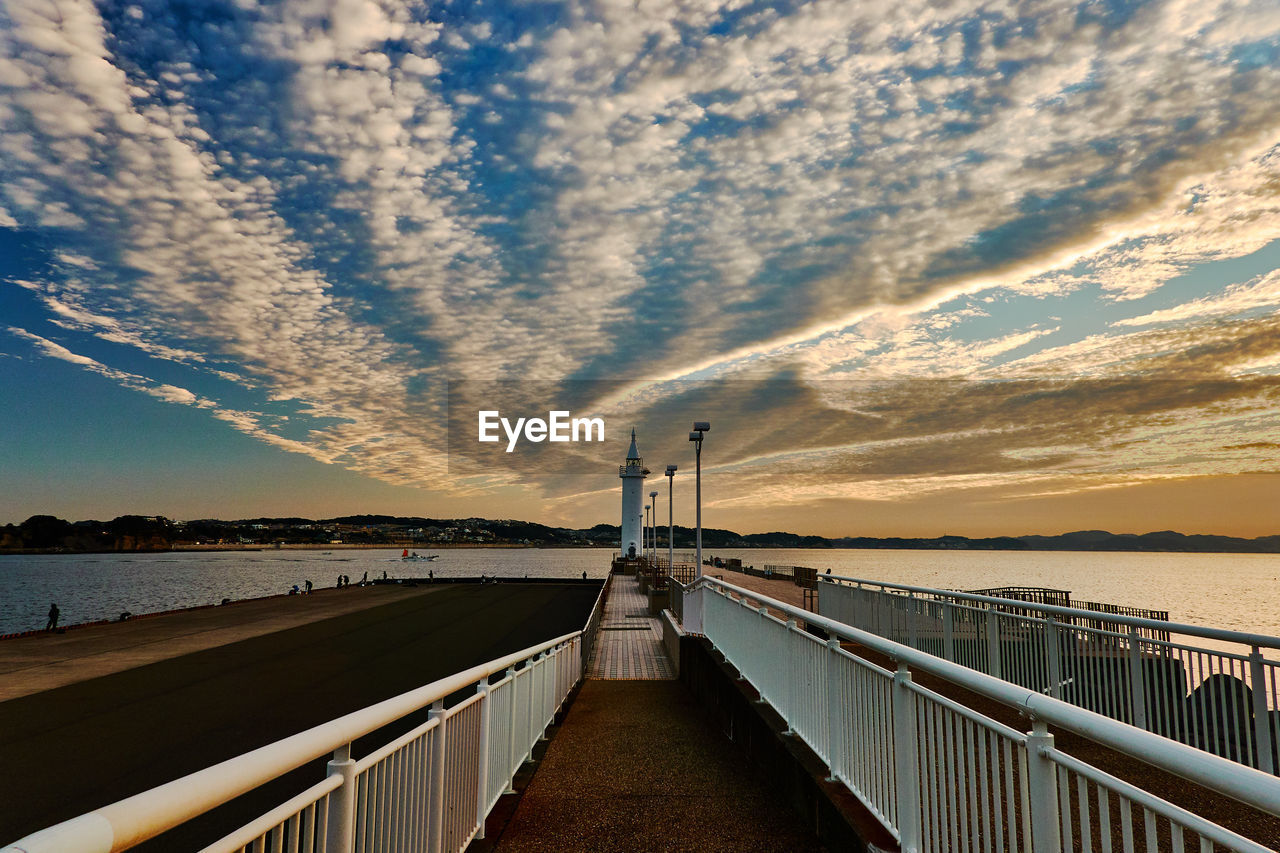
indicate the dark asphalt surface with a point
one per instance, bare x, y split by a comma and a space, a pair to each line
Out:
79, 747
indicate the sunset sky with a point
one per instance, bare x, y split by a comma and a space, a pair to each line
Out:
961, 267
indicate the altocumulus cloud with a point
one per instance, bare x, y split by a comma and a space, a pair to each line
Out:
335, 208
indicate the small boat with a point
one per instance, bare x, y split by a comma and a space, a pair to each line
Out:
416, 557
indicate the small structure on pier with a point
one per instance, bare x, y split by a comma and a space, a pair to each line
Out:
632, 473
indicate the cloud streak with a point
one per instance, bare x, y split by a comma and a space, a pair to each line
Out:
309, 219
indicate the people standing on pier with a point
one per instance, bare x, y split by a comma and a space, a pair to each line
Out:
52, 624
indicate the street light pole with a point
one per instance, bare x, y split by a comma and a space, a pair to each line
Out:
699, 427
644, 535
653, 531
671, 527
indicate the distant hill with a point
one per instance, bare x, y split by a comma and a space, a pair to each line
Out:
45, 533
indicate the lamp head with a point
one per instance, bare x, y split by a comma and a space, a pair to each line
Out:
702, 426
695, 436
671, 470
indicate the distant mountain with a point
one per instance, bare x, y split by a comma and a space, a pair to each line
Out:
156, 533
1162, 540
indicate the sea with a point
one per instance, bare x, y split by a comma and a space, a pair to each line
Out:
1239, 592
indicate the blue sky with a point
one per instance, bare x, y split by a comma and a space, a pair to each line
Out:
1008, 263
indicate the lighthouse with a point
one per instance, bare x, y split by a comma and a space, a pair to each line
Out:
632, 474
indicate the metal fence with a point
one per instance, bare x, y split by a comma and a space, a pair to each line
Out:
940, 776
1153, 674
429, 789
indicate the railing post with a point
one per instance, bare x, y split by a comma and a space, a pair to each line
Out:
1261, 714
913, 607
793, 677
482, 783
994, 666
1042, 791
906, 761
835, 710
882, 614
538, 696
341, 818
547, 711
949, 631
512, 725
435, 794
1053, 641
1137, 687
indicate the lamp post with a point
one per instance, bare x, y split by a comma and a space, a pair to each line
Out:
653, 531
644, 535
671, 527
699, 427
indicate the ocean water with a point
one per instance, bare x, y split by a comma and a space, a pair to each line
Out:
1235, 591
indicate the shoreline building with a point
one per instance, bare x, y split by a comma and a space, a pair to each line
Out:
632, 473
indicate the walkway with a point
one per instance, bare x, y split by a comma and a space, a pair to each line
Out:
44, 661
629, 645
637, 767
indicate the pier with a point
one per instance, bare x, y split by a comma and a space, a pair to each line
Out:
645, 732
103, 737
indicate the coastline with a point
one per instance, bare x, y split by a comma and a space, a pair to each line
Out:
515, 546
306, 546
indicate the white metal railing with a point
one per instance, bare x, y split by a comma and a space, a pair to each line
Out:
427, 790
943, 777
1213, 689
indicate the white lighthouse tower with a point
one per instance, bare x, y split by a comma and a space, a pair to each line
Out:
632, 474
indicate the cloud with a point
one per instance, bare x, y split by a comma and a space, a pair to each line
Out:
333, 209
1262, 292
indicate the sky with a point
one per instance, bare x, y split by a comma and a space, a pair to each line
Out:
931, 268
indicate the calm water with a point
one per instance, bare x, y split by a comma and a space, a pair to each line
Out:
1237, 591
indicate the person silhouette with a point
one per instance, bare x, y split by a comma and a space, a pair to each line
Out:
52, 624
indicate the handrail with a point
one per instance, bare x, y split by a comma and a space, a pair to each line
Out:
1133, 621
131, 821
591, 631
1249, 786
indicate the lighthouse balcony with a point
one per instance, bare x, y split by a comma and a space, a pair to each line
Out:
632, 471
